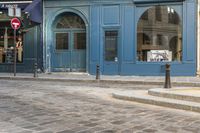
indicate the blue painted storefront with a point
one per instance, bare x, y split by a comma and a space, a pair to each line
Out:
121, 16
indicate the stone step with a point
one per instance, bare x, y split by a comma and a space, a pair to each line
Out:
180, 93
142, 96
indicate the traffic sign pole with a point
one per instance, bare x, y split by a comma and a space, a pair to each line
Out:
15, 23
15, 52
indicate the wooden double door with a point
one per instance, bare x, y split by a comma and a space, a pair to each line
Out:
69, 51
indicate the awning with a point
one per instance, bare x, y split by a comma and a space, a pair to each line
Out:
5, 4
35, 11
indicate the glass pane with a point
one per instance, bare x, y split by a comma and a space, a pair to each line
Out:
79, 41
111, 41
70, 20
62, 41
7, 44
159, 38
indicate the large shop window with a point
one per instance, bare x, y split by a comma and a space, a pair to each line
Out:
7, 44
111, 42
159, 35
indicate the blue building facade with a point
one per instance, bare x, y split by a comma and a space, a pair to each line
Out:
124, 37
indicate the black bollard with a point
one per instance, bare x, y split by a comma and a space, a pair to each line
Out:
35, 70
167, 76
97, 72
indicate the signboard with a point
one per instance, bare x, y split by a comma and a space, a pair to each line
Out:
6, 6
14, 12
15, 23
159, 55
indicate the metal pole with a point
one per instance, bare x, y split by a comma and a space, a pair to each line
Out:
15, 52
167, 76
97, 72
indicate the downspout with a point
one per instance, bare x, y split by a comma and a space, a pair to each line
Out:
198, 38
44, 38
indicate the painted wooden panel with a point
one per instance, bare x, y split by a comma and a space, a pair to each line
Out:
95, 34
157, 69
29, 43
190, 32
128, 36
111, 15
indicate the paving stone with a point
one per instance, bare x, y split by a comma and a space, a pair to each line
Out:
46, 132
150, 130
66, 131
108, 131
127, 131
118, 122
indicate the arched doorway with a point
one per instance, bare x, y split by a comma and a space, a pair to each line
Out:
69, 49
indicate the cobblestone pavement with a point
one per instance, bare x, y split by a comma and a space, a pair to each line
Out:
53, 107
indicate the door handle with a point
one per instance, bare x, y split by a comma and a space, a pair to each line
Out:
116, 59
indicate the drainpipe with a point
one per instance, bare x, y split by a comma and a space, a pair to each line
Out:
198, 38
46, 48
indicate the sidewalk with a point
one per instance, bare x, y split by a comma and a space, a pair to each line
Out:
84, 77
182, 98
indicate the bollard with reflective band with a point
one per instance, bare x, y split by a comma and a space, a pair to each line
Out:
35, 71
97, 72
167, 76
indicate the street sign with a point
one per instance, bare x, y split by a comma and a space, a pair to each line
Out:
15, 23
14, 12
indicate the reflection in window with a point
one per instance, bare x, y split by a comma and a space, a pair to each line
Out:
62, 41
145, 16
172, 16
159, 41
80, 40
158, 13
111, 42
7, 44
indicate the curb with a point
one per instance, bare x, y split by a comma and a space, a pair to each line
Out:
110, 81
178, 104
162, 93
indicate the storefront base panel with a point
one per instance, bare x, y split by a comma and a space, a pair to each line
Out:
149, 70
27, 67
158, 70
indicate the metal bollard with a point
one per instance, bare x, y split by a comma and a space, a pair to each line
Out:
35, 70
97, 72
167, 76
